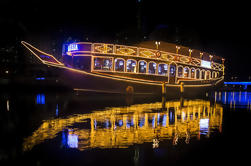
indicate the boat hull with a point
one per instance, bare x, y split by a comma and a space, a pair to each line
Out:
88, 83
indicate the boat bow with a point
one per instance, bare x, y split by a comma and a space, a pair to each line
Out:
45, 58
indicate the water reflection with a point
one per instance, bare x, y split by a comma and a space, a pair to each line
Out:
120, 127
40, 99
234, 99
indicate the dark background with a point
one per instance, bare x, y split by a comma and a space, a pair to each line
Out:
220, 29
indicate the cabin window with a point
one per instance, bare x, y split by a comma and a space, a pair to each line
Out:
119, 65
197, 74
163, 68
180, 71
152, 68
186, 72
172, 71
82, 62
192, 73
203, 74
208, 75
102, 64
131, 66
142, 67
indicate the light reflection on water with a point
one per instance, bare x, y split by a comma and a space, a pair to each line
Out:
234, 99
121, 127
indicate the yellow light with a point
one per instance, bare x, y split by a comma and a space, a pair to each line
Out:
43, 61
121, 78
121, 136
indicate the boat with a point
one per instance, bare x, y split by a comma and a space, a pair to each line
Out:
121, 69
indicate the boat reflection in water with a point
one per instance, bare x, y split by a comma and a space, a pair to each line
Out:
120, 127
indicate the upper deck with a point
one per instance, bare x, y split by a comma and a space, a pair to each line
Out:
178, 56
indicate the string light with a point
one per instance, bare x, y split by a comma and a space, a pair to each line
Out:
111, 137
141, 81
135, 51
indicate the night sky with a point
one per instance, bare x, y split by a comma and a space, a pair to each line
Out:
218, 28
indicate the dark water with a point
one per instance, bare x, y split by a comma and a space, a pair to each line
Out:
79, 129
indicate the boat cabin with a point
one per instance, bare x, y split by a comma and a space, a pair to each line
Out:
144, 63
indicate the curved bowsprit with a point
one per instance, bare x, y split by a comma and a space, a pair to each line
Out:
42, 56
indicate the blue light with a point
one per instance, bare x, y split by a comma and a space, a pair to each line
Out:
69, 140
171, 117
158, 118
40, 78
95, 124
237, 83
40, 99
64, 139
165, 67
153, 121
45, 56
107, 124
73, 47
121, 63
238, 99
132, 123
142, 122
204, 125
127, 124
164, 121
72, 141
120, 123
57, 110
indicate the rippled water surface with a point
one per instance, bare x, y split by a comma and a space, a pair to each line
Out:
79, 129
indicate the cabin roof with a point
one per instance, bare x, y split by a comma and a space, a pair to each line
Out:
170, 47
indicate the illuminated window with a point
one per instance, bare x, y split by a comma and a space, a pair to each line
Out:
172, 70
102, 64
163, 69
131, 66
180, 71
208, 75
142, 67
119, 65
192, 73
186, 72
198, 74
152, 68
203, 74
